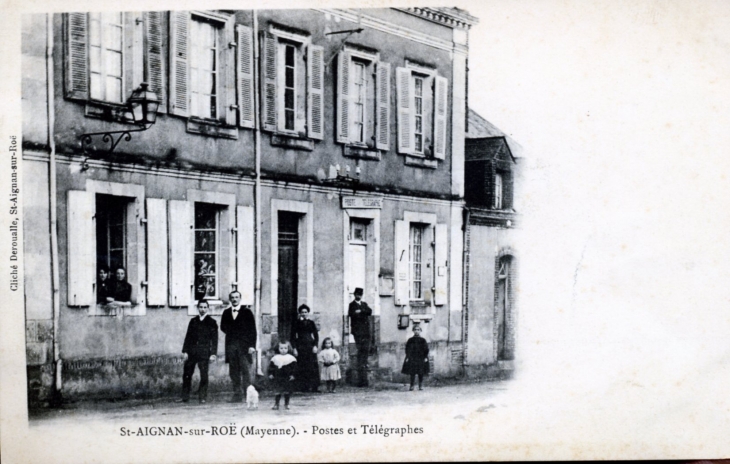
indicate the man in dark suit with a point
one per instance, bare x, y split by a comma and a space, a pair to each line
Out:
200, 347
360, 313
239, 325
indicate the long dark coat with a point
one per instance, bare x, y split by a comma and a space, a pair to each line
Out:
359, 323
240, 332
304, 339
201, 340
416, 361
282, 367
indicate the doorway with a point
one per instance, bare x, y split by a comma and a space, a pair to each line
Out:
288, 263
505, 350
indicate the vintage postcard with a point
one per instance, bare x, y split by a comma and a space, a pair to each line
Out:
364, 231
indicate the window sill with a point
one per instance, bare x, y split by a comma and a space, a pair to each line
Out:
116, 309
115, 112
292, 141
421, 162
361, 152
211, 128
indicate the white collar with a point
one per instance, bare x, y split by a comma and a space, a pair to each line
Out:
281, 360
203, 316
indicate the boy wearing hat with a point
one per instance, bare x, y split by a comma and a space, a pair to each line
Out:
360, 313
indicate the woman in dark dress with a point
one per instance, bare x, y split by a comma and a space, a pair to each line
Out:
416, 362
305, 339
119, 289
102, 285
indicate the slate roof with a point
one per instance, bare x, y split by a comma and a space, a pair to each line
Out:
480, 128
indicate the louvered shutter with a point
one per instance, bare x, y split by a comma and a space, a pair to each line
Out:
405, 128
154, 62
268, 82
181, 252
440, 265
179, 75
315, 92
440, 112
244, 76
156, 251
343, 97
402, 258
382, 115
77, 56
245, 253
81, 248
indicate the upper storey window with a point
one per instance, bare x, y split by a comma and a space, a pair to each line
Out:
363, 99
204, 68
108, 55
106, 60
422, 112
292, 78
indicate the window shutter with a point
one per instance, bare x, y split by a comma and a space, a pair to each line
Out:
181, 252
179, 85
77, 59
382, 116
343, 97
405, 129
244, 76
268, 80
245, 247
315, 92
156, 251
402, 260
154, 61
81, 248
440, 112
440, 265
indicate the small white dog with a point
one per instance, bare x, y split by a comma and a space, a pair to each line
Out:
252, 398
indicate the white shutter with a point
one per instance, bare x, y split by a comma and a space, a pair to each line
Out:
245, 248
179, 76
382, 116
343, 97
244, 76
181, 252
441, 93
155, 64
440, 265
401, 265
81, 248
268, 82
405, 129
156, 251
77, 59
315, 92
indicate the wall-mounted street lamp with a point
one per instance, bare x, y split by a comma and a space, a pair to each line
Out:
141, 108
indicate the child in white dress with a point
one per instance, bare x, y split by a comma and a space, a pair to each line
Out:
329, 367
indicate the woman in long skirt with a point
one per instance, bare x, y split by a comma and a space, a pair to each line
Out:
305, 339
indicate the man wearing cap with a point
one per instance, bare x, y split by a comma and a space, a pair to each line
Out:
360, 313
239, 325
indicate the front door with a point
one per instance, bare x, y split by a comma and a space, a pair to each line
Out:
503, 307
288, 272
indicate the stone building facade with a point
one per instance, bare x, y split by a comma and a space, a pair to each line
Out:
295, 156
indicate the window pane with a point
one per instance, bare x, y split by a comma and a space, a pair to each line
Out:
96, 87
211, 62
113, 63
95, 59
419, 143
289, 77
94, 29
289, 120
289, 98
289, 56
205, 217
205, 240
113, 89
113, 37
